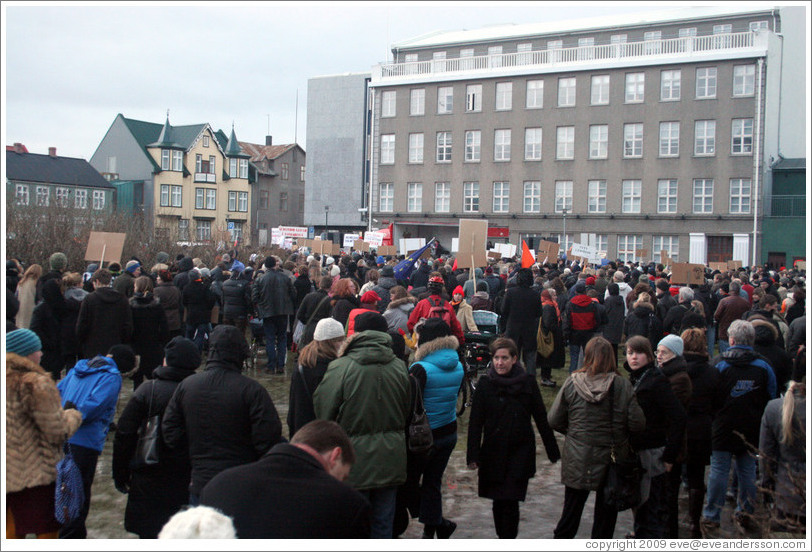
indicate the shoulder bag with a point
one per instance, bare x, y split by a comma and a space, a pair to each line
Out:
69, 496
621, 487
545, 343
419, 439
147, 451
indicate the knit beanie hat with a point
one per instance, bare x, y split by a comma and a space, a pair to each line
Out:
58, 261
380, 260
672, 342
371, 320
370, 297
329, 261
195, 276
387, 272
459, 290
124, 357
162, 257
432, 328
131, 266
182, 353
328, 328
23, 342
590, 281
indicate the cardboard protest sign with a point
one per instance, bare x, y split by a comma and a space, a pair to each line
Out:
336, 249
687, 274
507, 250
494, 255
800, 265
387, 250
472, 242
734, 265
349, 239
105, 247
641, 253
664, 258
547, 249
375, 239
360, 245
721, 267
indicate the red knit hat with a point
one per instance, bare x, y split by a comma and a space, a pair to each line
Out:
590, 281
370, 297
459, 290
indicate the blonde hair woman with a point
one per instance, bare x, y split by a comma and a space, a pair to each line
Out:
26, 295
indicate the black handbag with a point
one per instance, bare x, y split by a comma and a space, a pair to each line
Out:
147, 451
621, 486
418, 434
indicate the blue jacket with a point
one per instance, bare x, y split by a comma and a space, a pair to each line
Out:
443, 377
93, 386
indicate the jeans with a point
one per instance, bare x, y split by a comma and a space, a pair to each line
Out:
431, 500
383, 511
276, 340
604, 518
575, 353
198, 333
717, 483
86, 460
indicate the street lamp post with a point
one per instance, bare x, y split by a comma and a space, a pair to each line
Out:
564, 236
326, 213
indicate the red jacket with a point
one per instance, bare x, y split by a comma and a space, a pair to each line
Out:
421, 310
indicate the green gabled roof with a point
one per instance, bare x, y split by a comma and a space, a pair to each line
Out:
165, 138
144, 133
233, 148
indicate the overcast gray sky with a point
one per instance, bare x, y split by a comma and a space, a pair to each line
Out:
70, 69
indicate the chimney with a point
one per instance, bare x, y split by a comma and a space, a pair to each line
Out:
52, 151
268, 140
19, 148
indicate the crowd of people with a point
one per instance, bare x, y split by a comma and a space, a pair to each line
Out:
714, 373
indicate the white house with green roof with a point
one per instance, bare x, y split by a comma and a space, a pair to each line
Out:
197, 181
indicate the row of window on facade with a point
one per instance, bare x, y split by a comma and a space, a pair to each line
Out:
496, 57
596, 201
741, 142
634, 91
62, 196
202, 230
628, 245
205, 198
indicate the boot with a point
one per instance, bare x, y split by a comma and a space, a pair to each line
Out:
445, 529
428, 531
696, 499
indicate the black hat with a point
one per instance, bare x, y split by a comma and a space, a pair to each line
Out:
182, 353
432, 328
124, 357
799, 366
387, 272
371, 320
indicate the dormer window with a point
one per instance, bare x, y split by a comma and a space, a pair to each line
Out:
205, 141
238, 168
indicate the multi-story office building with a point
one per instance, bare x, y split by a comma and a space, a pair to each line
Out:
631, 134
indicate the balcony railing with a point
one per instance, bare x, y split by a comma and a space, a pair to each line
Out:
205, 177
787, 206
579, 54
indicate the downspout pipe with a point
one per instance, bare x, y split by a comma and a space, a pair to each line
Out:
757, 161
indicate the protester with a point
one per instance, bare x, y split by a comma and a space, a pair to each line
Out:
443, 309
36, 427
27, 295
501, 443
199, 522
594, 424
400, 306
642, 321
295, 491
344, 300
730, 308
150, 329
580, 322
171, 299
615, 317
125, 282
369, 303
198, 301
315, 307
551, 322
154, 493
104, 319
464, 312
521, 311
74, 294
237, 305
45, 322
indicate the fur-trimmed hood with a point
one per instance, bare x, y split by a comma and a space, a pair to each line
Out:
407, 302
447, 342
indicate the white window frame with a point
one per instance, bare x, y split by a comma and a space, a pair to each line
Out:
652, 42
242, 202
466, 62
99, 198
501, 144
470, 197
211, 199
232, 201
687, 32
706, 81
566, 91
200, 198
165, 195
598, 141
244, 169
670, 85
285, 171
531, 202
414, 197
417, 102
388, 103
705, 138
501, 196
203, 230
416, 142
387, 149
532, 144
667, 190
600, 90
444, 146
62, 196
386, 197
473, 98
564, 243
633, 140
534, 94
183, 229
442, 197
618, 42
596, 196
563, 196
524, 56
176, 196
669, 139
759, 25
631, 196
741, 190
565, 142
635, 88
43, 196
627, 246
438, 61
669, 243
177, 160
79, 199
504, 96
445, 100
702, 199
205, 141
166, 159
473, 146
744, 80
494, 56
233, 167
586, 48
741, 136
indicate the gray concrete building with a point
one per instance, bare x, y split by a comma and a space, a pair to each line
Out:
631, 134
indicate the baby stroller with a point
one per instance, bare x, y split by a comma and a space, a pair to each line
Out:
257, 341
476, 355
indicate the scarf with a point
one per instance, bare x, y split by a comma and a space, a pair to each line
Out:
512, 382
546, 301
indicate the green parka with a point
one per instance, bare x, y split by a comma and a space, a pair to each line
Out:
581, 412
366, 390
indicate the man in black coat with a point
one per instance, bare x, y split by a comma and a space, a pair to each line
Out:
273, 296
105, 318
521, 311
198, 300
296, 491
225, 419
314, 307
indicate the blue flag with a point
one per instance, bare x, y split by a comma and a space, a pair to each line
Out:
405, 267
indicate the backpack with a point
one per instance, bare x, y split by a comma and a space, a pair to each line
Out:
441, 311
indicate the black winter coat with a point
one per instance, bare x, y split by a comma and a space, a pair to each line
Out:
302, 285
237, 298
615, 316
550, 322
664, 304
665, 417
198, 300
300, 399
643, 321
45, 323
420, 277
67, 323
705, 386
288, 495
385, 284
105, 319
156, 492
150, 332
171, 299
673, 319
500, 433
521, 310
314, 307
342, 307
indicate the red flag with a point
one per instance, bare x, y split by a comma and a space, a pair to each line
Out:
527, 257
453, 268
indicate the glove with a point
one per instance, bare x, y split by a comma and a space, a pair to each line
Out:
70, 404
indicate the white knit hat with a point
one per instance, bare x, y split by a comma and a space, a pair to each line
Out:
328, 328
330, 260
335, 271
